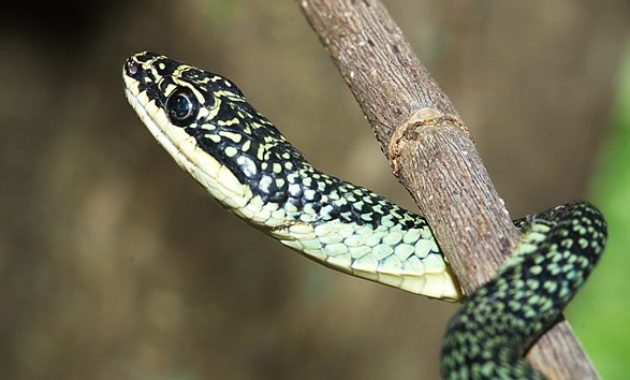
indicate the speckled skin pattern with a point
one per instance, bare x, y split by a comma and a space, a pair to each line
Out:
243, 161
488, 335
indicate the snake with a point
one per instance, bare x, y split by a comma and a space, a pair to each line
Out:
242, 160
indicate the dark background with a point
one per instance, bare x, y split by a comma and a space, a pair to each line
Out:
114, 265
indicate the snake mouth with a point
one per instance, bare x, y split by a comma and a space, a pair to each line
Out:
213, 176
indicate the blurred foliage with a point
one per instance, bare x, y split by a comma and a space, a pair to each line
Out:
600, 314
219, 13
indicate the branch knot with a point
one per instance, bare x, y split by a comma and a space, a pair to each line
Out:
426, 117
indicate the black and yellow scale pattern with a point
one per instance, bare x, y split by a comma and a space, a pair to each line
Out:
237, 155
488, 335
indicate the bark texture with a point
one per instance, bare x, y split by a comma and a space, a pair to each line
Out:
432, 154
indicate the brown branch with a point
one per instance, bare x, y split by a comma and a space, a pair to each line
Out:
431, 153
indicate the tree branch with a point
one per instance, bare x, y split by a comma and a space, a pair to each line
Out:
431, 153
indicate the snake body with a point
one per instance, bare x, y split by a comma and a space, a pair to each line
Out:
203, 120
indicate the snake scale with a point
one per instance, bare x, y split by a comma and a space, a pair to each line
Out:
205, 123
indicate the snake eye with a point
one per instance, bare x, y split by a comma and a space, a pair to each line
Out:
182, 107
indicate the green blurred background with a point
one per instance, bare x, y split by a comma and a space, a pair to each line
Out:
114, 265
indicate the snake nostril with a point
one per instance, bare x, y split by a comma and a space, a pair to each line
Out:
132, 66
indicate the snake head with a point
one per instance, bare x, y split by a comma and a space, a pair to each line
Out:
203, 120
